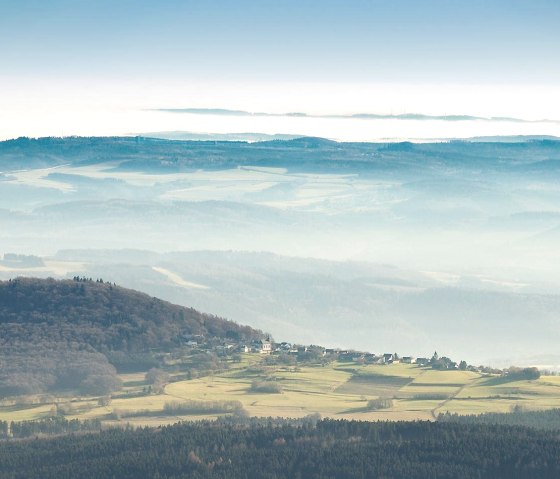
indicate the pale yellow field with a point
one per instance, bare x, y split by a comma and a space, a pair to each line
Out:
339, 390
24, 414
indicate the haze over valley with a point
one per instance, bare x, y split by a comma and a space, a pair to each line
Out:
400, 246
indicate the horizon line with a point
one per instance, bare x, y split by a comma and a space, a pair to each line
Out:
235, 138
351, 116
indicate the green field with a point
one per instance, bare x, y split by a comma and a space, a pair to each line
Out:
338, 390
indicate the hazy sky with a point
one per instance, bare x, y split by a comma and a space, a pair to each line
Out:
394, 56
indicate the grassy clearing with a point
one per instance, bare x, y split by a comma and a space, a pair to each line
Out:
373, 385
442, 378
488, 395
24, 413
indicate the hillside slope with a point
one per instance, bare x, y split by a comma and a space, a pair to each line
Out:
65, 334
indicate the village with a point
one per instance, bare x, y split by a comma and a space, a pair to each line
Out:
319, 354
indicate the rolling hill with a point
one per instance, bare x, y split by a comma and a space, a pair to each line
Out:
75, 334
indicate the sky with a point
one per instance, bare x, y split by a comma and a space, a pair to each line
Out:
75, 67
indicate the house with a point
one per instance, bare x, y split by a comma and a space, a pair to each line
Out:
370, 358
195, 338
192, 343
349, 356
408, 360
387, 358
422, 361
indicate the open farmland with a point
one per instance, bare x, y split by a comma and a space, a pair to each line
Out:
337, 390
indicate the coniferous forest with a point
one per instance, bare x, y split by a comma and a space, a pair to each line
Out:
333, 449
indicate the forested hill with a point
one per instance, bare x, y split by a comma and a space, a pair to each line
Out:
104, 316
56, 334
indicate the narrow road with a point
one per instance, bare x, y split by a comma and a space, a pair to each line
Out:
444, 402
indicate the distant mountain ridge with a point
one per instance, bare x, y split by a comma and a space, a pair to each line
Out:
148, 154
368, 116
193, 136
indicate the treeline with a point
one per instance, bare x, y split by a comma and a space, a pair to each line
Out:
547, 420
520, 374
50, 426
333, 449
179, 408
302, 153
74, 335
202, 407
41, 366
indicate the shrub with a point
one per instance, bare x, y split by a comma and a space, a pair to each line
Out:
157, 378
175, 408
100, 384
430, 396
380, 403
270, 387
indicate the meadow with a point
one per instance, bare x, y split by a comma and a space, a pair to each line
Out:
340, 390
